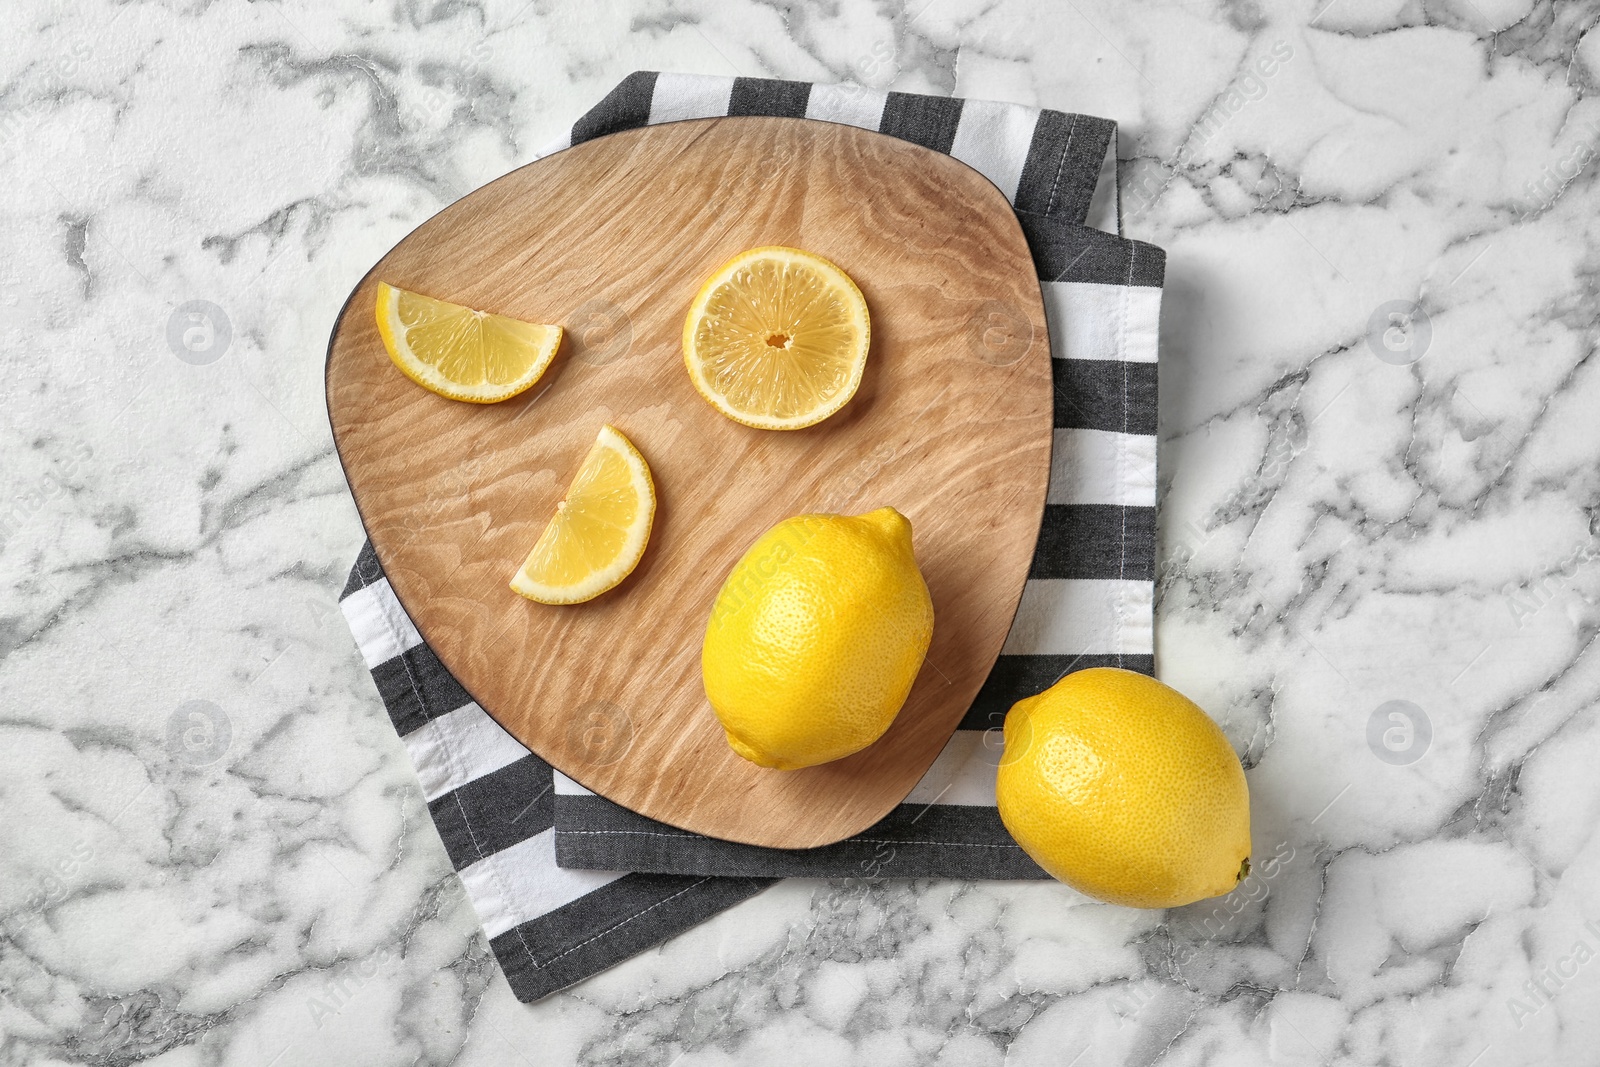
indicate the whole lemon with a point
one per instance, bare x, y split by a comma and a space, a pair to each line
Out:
1124, 789
816, 637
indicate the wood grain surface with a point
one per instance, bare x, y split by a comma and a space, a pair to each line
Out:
612, 238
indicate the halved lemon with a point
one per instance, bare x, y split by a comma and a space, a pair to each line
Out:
598, 533
461, 353
777, 338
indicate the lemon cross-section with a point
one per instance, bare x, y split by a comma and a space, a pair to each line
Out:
599, 531
461, 353
777, 338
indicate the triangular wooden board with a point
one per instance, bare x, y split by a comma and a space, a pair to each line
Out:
612, 239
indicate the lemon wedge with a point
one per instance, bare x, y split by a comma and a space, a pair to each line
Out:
461, 353
598, 533
777, 338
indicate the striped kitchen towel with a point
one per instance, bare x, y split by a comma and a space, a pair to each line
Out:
496, 805
1045, 162
492, 803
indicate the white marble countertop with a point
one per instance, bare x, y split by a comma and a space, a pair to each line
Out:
1358, 511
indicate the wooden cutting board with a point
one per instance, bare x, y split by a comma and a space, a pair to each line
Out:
612, 238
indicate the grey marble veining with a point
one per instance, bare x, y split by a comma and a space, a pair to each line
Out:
1379, 555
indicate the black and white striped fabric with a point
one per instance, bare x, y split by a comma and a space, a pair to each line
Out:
1045, 162
492, 802
553, 870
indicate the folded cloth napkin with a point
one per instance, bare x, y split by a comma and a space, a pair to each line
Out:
492, 803
497, 806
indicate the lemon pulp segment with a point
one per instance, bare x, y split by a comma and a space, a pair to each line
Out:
599, 531
461, 353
